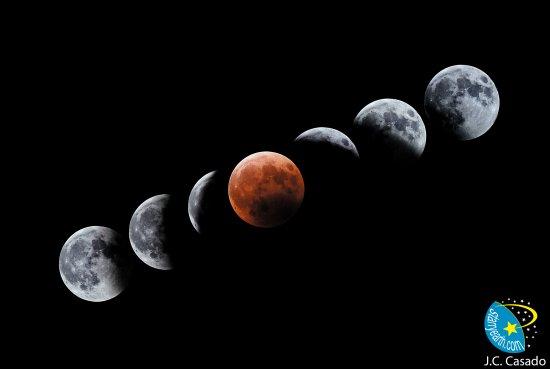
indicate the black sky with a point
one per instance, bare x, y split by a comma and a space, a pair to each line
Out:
129, 103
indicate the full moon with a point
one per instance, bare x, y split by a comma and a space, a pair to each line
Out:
266, 189
463, 100
94, 264
148, 232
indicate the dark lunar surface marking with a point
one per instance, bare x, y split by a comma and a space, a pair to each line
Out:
86, 250
459, 99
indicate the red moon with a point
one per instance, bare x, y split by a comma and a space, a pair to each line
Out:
266, 189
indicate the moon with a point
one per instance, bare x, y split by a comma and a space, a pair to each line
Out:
266, 189
391, 129
329, 138
463, 101
205, 205
148, 232
328, 160
94, 264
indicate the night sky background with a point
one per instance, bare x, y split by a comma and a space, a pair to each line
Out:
395, 264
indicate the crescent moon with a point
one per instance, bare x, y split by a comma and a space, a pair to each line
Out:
531, 310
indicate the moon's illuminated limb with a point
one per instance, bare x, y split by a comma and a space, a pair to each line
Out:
195, 204
330, 136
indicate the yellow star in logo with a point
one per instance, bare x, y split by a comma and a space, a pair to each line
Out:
511, 328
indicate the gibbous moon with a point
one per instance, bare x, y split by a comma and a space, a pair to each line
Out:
266, 189
391, 129
463, 101
148, 232
95, 264
329, 137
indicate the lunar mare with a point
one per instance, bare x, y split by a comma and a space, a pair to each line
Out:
393, 128
94, 264
463, 100
328, 136
266, 189
148, 232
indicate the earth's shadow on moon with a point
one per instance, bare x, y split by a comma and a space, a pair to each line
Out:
239, 262
220, 227
330, 175
184, 244
384, 155
212, 211
175, 235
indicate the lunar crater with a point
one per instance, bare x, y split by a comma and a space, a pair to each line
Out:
462, 100
148, 232
391, 128
264, 191
94, 265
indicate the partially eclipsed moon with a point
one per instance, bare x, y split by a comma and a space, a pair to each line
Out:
463, 100
266, 189
198, 203
391, 128
148, 228
95, 264
329, 137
